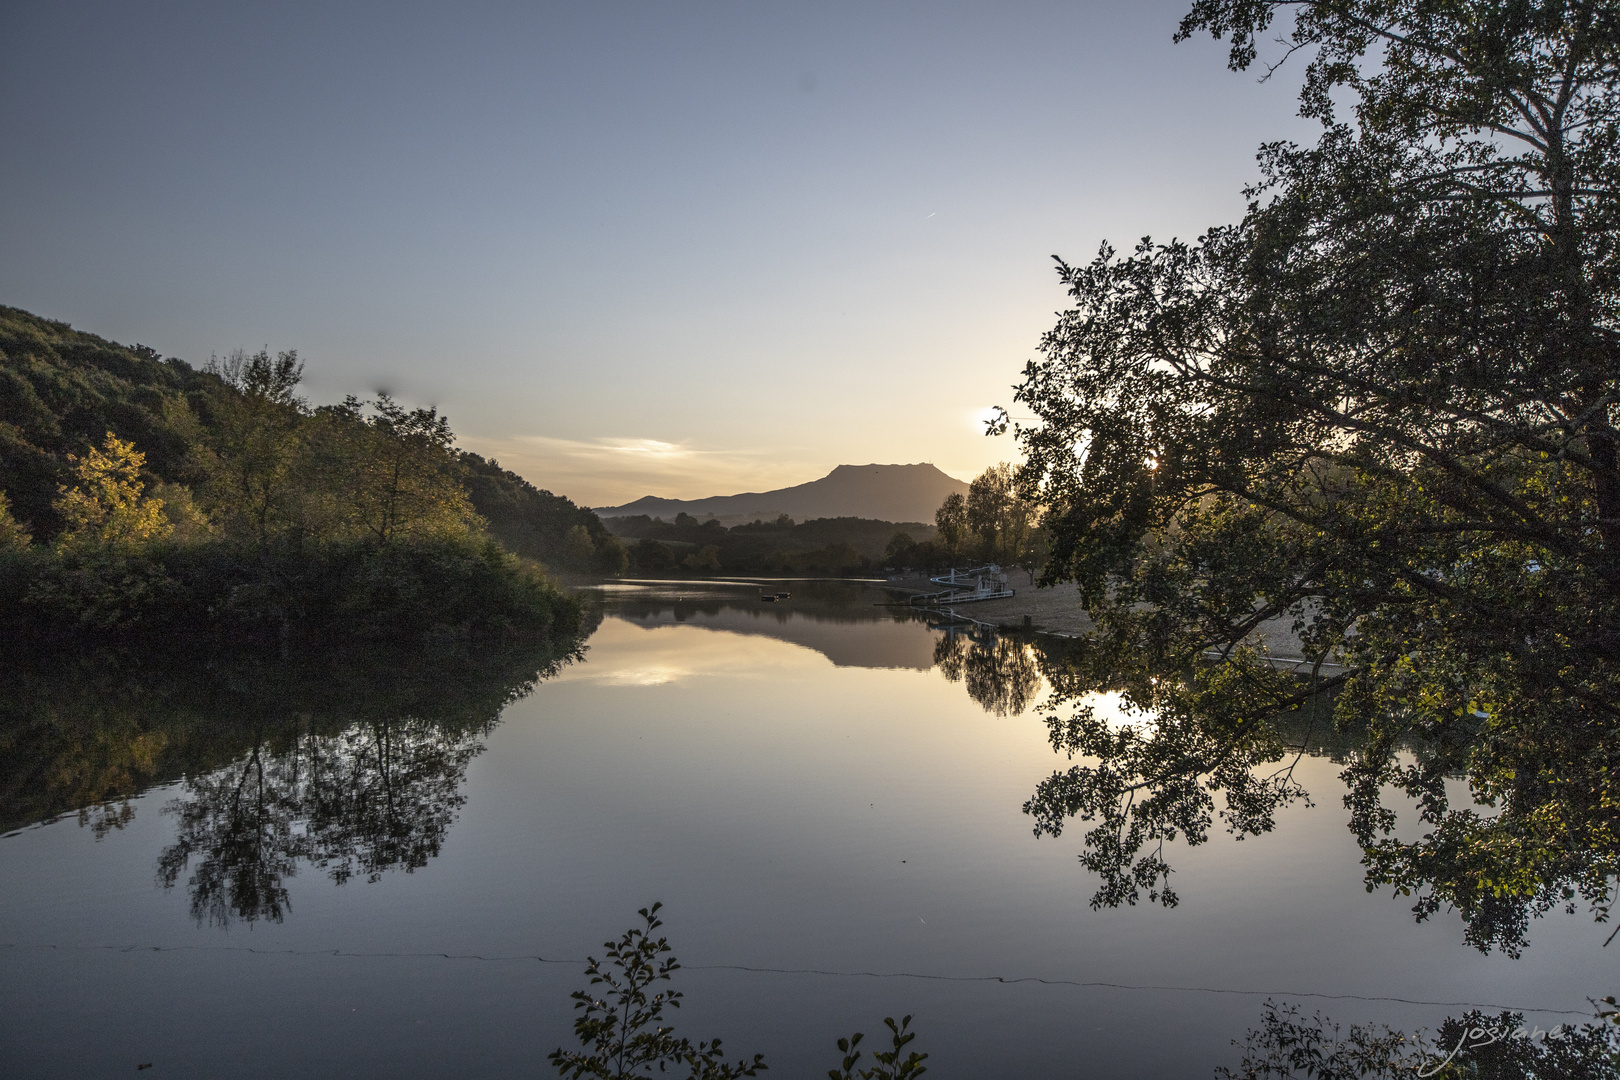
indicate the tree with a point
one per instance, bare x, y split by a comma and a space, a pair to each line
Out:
899, 549
1383, 407
888, 1064
14, 535
107, 505
623, 1034
396, 470
951, 520
705, 560
649, 556
256, 438
998, 515
537, 524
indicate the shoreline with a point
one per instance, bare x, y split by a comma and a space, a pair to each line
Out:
1057, 612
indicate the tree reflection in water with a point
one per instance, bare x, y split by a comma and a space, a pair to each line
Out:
1002, 673
1204, 739
379, 796
350, 762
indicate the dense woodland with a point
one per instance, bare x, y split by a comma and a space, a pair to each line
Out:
821, 546
137, 491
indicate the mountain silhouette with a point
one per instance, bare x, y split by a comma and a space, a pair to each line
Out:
884, 492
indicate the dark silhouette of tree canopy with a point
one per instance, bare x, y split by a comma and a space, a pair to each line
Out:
378, 796
1001, 673
344, 758
951, 521
1000, 519
1382, 406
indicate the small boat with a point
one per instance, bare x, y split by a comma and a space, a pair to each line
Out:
784, 596
767, 598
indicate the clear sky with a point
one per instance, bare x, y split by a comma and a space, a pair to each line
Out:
663, 247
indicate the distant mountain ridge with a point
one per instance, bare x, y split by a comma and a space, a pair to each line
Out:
884, 492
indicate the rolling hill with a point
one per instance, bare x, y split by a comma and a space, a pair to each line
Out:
884, 492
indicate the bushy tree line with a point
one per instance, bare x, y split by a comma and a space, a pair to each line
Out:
997, 522
253, 510
235, 443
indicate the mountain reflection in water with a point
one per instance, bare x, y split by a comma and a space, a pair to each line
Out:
846, 622
853, 624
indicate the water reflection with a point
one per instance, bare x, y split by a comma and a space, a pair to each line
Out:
1163, 750
1001, 673
875, 812
852, 623
353, 764
350, 762
1507, 835
378, 796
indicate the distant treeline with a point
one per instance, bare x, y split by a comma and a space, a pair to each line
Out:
844, 545
138, 492
995, 523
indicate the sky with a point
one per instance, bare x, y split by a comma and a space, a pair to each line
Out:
667, 247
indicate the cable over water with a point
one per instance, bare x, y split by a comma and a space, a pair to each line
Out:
825, 972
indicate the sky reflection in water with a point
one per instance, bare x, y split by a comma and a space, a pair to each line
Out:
803, 789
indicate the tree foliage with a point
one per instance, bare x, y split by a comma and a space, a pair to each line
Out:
886, 1064
998, 517
390, 474
995, 522
14, 535
254, 440
236, 454
61, 391
107, 504
537, 524
830, 546
1381, 408
622, 1030
951, 521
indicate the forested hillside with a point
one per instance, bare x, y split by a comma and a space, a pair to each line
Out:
61, 391
232, 450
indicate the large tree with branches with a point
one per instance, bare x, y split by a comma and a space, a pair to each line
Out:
1381, 407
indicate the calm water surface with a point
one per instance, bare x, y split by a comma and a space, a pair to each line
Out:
834, 826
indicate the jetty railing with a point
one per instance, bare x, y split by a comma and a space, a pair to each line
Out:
965, 587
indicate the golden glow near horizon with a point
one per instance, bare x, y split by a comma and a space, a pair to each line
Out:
612, 471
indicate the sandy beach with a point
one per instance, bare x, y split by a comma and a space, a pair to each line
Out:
1057, 611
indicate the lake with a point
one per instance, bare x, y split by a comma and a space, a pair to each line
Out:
825, 793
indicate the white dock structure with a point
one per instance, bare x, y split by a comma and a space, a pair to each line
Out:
987, 582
